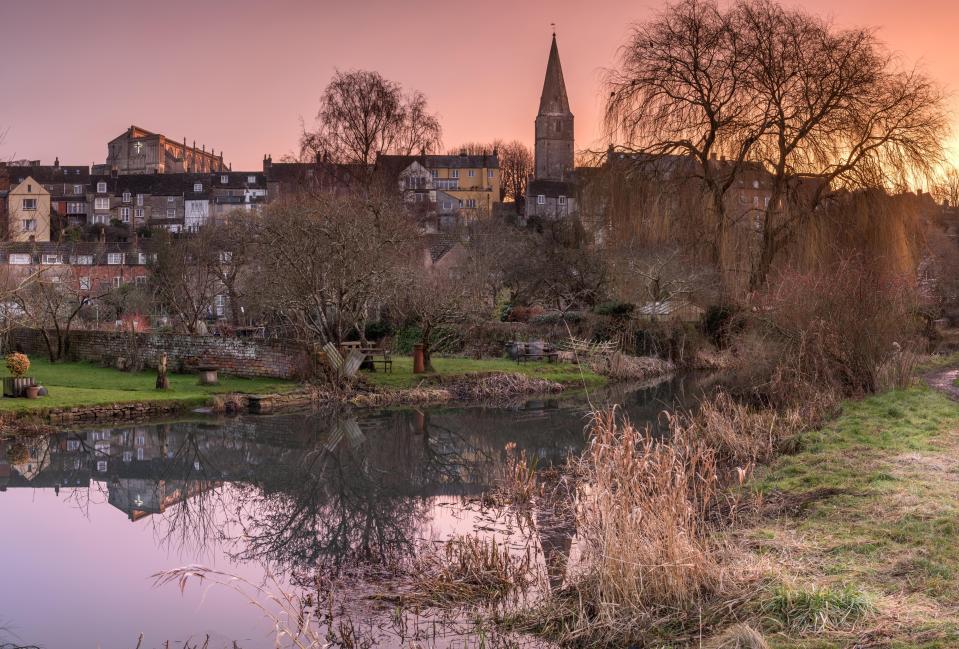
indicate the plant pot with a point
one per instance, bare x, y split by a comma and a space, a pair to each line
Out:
14, 386
32, 391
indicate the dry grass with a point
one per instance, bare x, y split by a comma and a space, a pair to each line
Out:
741, 436
651, 558
468, 570
623, 367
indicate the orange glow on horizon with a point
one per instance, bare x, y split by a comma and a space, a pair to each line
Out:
239, 76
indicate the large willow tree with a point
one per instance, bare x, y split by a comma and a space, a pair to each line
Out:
820, 108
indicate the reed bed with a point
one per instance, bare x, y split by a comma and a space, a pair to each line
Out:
650, 512
468, 570
623, 367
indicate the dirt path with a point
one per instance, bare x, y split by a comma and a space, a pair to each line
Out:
944, 381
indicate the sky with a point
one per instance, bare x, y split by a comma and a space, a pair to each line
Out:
240, 75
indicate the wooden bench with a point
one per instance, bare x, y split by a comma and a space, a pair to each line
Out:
535, 352
374, 357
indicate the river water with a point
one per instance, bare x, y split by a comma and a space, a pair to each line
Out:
88, 517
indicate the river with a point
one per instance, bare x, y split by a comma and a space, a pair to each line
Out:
87, 517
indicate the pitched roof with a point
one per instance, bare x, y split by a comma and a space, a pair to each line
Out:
553, 101
551, 188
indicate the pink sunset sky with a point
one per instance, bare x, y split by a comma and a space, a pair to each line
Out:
238, 75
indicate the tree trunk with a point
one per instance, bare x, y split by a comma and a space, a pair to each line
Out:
425, 341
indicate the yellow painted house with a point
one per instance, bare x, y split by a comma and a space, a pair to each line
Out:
28, 212
466, 185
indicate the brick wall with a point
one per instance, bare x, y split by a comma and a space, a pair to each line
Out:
237, 356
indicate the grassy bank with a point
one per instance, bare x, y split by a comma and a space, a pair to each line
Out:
85, 384
866, 512
403, 377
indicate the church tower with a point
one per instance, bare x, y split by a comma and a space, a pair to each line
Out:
554, 125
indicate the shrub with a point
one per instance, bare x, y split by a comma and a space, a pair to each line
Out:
615, 309
378, 330
719, 322
835, 329
443, 340
18, 364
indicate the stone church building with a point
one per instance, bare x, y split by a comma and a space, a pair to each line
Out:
550, 193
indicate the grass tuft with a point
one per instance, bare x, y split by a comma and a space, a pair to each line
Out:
817, 609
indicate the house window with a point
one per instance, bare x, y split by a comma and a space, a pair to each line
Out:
101, 188
562, 200
138, 213
224, 180
76, 208
125, 214
541, 199
115, 258
18, 259
29, 204
251, 180
171, 199
171, 213
455, 173
141, 258
140, 454
29, 225
84, 283
127, 456
117, 282
198, 187
78, 189
226, 256
73, 444
127, 197
220, 305
83, 260
101, 203
489, 173
140, 199
141, 280
102, 466
471, 173
471, 203
51, 259
434, 173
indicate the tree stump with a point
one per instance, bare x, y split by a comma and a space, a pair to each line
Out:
163, 383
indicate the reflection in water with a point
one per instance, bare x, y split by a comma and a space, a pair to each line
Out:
309, 495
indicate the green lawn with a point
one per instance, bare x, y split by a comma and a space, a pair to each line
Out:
874, 508
403, 377
84, 384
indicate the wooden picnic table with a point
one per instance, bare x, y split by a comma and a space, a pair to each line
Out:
372, 356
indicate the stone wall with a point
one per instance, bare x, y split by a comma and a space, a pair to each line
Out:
236, 356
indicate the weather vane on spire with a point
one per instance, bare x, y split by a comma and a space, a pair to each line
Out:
553, 25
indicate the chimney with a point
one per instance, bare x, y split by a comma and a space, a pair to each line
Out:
56, 162
712, 156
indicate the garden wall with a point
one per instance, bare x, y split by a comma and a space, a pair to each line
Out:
237, 356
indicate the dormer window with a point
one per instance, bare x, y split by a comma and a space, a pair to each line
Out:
101, 188
127, 197
197, 187
251, 180
224, 180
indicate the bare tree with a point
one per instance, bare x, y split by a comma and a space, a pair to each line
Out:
516, 168
184, 276
362, 114
328, 262
51, 300
947, 189
431, 299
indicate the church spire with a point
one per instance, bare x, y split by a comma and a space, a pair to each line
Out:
553, 101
